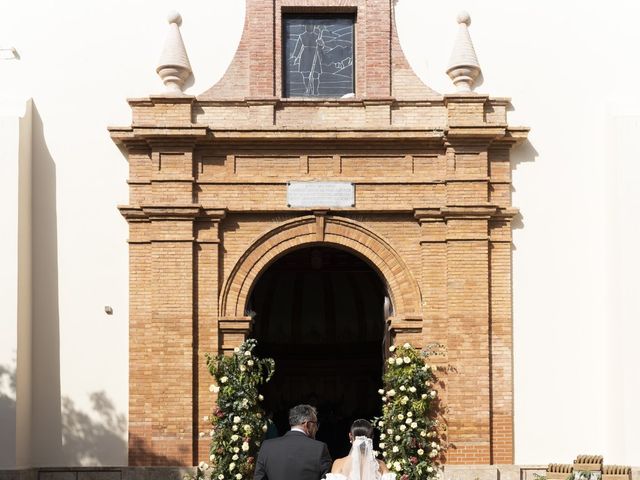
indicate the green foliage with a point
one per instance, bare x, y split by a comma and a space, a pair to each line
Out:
410, 439
238, 423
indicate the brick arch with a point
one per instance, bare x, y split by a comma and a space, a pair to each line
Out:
336, 231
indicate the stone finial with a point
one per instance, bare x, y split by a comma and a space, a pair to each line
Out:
463, 65
174, 67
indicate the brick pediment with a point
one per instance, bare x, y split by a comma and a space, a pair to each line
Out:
382, 71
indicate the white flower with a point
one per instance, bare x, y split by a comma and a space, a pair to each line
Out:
237, 419
423, 433
381, 423
392, 348
391, 361
382, 437
250, 363
236, 350
235, 457
409, 414
433, 453
203, 466
382, 444
423, 396
261, 398
403, 428
232, 466
402, 388
414, 425
412, 389
400, 416
408, 421
427, 383
391, 393
245, 446
243, 368
398, 361
384, 454
234, 428
407, 360
214, 388
234, 437
389, 431
381, 391
236, 449
397, 438
223, 379
265, 427
407, 346
212, 457
434, 445
395, 449
396, 466
201, 434
429, 469
247, 428
247, 353
238, 476
221, 477
420, 451
433, 393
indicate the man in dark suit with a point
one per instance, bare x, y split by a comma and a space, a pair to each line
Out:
296, 455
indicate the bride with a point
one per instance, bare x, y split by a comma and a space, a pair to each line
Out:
361, 463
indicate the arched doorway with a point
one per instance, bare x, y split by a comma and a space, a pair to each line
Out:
319, 313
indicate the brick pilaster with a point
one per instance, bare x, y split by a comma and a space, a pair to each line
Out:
207, 289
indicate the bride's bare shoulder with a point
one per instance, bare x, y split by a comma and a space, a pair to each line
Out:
337, 464
383, 467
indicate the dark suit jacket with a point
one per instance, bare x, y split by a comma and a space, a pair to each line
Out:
293, 456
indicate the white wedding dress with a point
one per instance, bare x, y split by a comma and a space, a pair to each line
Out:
361, 464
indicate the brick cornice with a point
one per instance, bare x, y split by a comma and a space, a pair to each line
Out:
369, 135
430, 214
153, 100
475, 132
171, 212
133, 213
141, 136
469, 211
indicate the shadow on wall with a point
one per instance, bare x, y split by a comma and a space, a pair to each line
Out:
97, 439
146, 457
86, 439
522, 153
46, 422
7, 416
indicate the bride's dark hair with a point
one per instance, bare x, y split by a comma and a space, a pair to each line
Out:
362, 428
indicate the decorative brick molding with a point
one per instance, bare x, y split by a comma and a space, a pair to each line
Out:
208, 213
342, 232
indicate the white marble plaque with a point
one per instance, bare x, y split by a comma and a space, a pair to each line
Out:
320, 194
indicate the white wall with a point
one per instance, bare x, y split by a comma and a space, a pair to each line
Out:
569, 67
15, 279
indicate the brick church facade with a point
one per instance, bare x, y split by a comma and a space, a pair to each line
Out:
213, 210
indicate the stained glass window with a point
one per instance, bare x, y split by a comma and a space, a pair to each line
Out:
318, 56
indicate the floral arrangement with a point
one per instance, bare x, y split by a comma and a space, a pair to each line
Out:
410, 439
238, 423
